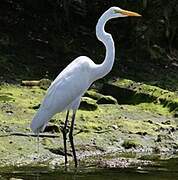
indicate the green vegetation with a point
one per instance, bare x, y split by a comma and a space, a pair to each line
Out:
147, 96
109, 126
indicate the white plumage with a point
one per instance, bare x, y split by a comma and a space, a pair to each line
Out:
65, 92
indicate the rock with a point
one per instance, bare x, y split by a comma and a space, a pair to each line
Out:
51, 128
58, 151
107, 100
101, 99
36, 106
131, 92
122, 163
175, 113
9, 112
122, 94
142, 133
127, 144
168, 122
158, 138
115, 127
92, 94
88, 104
156, 149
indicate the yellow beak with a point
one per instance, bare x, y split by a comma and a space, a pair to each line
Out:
128, 13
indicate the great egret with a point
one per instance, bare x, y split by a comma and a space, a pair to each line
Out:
67, 89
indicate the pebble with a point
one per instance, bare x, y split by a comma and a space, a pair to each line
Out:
115, 127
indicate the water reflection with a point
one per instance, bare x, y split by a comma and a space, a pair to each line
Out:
165, 170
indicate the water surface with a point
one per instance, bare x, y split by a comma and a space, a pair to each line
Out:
164, 170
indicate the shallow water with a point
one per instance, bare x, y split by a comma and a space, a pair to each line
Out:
164, 170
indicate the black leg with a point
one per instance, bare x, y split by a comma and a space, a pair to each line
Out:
64, 131
71, 138
38, 143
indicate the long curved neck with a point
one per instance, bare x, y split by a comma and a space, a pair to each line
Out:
105, 67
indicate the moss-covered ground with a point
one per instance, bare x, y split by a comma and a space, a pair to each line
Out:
146, 128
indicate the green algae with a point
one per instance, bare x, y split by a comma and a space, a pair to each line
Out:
131, 92
5, 98
23, 99
155, 108
110, 126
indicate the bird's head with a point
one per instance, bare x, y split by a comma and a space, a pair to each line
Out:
116, 12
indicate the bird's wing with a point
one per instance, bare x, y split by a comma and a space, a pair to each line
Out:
75, 104
70, 84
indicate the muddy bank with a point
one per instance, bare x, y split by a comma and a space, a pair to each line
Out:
146, 130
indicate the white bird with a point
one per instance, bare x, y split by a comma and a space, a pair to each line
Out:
67, 89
